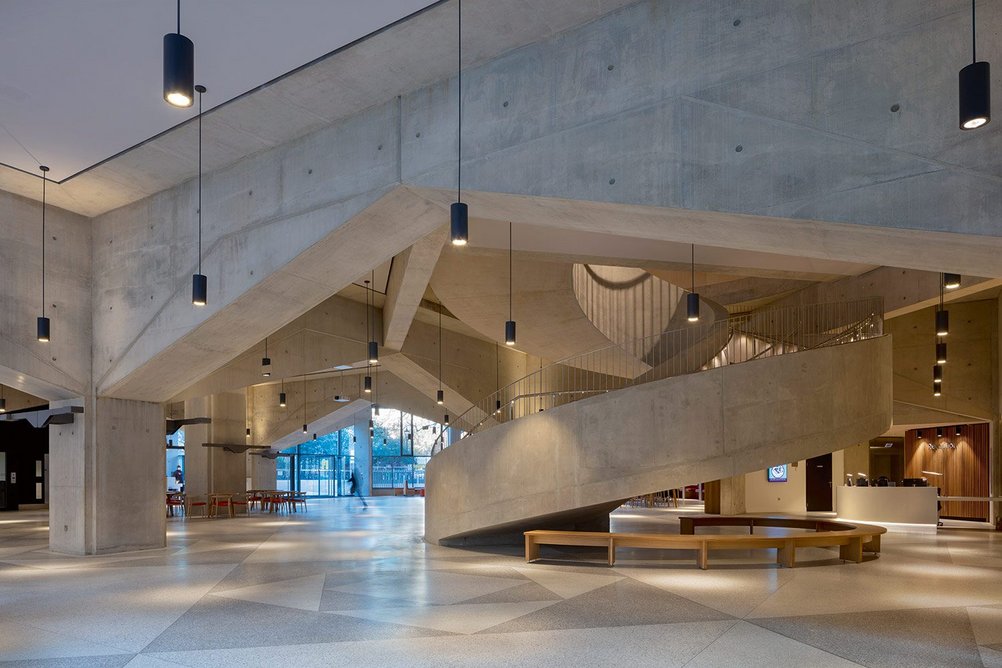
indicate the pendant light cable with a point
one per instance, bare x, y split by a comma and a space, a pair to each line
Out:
459, 80
692, 268
440, 347
199, 160
974, 34
509, 272
45, 180
178, 17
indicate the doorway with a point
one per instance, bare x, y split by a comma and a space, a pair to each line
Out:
819, 483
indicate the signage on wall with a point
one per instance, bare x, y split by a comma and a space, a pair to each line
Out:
776, 473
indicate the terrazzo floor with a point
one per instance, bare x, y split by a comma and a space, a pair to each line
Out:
339, 585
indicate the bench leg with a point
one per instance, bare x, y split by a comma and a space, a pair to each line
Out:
787, 555
531, 549
612, 551
853, 551
873, 545
702, 556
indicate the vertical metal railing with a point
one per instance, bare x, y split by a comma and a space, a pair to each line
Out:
738, 339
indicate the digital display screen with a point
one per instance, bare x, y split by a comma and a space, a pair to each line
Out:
776, 473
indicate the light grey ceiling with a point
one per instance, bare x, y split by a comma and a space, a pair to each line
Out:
57, 102
82, 80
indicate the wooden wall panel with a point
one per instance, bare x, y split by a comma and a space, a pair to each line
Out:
965, 468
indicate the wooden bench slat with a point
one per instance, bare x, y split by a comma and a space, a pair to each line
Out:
852, 540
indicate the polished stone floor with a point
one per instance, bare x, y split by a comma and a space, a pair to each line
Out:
342, 586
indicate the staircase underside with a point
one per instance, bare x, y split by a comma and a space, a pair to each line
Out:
568, 467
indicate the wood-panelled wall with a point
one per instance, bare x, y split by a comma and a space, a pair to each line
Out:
965, 468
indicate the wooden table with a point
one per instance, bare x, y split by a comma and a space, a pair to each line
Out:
214, 503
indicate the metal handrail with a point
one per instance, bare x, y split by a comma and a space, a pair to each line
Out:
737, 339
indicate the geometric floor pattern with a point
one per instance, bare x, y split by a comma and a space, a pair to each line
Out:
339, 585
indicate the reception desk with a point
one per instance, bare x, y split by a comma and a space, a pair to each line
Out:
897, 508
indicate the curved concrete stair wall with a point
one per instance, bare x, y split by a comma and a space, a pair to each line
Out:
571, 465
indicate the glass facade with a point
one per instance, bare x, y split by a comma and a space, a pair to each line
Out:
401, 448
318, 467
175, 470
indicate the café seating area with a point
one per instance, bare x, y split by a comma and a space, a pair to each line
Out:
230, 504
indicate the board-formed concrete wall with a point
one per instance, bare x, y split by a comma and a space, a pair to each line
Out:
536, 471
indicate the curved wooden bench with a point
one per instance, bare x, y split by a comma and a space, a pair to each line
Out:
851, 539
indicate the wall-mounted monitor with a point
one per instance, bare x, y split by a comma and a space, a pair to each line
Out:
776, 473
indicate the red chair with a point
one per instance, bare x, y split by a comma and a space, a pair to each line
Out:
197, 505
277, 503
175, 502
241, 502
296, 500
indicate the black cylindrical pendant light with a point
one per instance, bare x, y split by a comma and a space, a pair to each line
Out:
940, 352
942, 322
440, 397
266, 361
314, 437
42, 325
509, 333
3, 400
446, 421
281, 399
975, 96
937, 389
951, 281
939, 432
692, 307
367, 385
497, 407
373, 352
460, 223
248, 432
460, 215
179, 67
199, 284
956, 431
937, 374
692, 299
305, 428
975, 86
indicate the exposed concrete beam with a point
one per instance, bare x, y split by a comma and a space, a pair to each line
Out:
864, 244
409, 279
157, 369
426, 383
331, 422
904, 291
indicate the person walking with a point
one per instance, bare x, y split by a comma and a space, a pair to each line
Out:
356, 488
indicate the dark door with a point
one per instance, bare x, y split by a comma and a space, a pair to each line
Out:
819, 483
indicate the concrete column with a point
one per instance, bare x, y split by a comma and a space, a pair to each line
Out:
227, 470
262, 472
363, 451
107, 483
196, 458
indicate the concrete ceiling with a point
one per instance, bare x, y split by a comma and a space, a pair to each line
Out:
404, 57
91, 87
